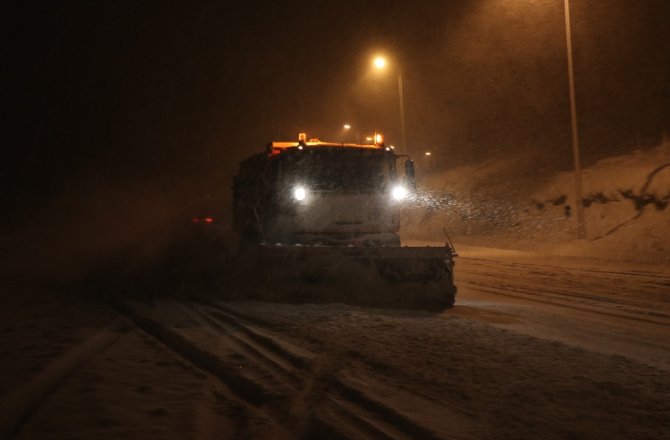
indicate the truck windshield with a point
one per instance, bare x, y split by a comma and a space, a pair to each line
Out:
339, 169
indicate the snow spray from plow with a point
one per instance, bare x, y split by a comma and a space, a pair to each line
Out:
388, 277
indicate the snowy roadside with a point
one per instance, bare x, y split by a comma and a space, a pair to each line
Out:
512, 206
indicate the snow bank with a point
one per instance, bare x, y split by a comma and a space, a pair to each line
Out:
513, 205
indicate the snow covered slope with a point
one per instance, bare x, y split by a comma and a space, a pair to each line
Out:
510, 204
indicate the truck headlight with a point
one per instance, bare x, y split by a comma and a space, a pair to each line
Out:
399, 192
299, 193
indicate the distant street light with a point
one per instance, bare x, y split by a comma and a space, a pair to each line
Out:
345, 129
428, 153
380, 63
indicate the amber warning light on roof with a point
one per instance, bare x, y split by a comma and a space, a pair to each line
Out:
274, 148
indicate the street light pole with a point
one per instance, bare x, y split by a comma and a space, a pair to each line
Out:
402, 113
380, 64
581, 226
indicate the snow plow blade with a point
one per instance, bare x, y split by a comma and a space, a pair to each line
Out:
386, 277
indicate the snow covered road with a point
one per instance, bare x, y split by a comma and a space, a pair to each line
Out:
533, 349
598, 308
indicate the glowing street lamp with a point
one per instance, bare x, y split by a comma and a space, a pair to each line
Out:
380, 64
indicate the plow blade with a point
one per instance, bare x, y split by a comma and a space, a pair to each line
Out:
387, 277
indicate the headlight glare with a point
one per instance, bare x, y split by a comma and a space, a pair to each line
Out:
399, 192
299, 193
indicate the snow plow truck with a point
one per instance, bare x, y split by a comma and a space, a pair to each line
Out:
318, 222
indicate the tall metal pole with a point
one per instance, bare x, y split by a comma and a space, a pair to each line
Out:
581, 226
402, 114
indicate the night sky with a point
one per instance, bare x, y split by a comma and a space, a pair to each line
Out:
167, 97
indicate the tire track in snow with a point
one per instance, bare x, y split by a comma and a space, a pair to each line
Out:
299, 390
17, 408
637, 295
357, 398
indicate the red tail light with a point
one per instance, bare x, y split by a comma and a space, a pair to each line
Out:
208, 220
